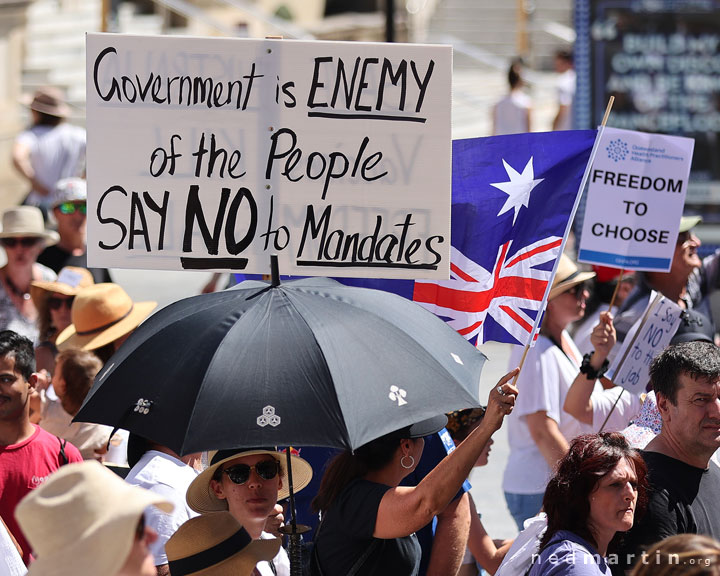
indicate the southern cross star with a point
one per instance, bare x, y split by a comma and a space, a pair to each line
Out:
518, 188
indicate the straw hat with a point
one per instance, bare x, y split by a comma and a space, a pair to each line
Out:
26, 221
48, 100
567, 276
82, 520
102, 313
215, 545
69, 282
201, 497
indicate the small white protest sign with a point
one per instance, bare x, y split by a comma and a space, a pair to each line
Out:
648, 336
214, 153
635, 198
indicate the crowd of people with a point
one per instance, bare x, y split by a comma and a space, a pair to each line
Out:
599, 480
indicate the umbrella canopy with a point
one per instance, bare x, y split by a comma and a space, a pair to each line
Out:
310, 362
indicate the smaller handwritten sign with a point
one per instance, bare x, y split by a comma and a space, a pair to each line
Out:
648, 336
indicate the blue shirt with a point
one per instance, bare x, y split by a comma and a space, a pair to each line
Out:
569, 555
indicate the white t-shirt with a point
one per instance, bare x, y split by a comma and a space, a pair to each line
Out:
56, 152
627, 408
281, 561
544, 382
510, 115
170, 478
566, 94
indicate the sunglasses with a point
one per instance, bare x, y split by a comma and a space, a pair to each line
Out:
28, 242
140, 528
72, 207
57, 303
240, 473
578, 290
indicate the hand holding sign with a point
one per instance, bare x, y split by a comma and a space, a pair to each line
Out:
603, 339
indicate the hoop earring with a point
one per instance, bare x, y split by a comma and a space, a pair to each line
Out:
412, 462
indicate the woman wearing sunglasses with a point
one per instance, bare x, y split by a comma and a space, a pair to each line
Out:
249, 483
23, 237
368, 520
53, 301
539, 430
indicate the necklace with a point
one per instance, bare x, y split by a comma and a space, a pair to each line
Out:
15, 290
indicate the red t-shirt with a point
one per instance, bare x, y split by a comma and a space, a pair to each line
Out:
25, 466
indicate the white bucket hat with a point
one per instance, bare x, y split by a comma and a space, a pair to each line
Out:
82, 520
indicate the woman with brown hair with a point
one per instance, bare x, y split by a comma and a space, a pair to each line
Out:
23, 237
591, 499
368, 521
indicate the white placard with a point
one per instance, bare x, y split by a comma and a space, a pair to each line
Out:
635, 198
648, 336
216, 153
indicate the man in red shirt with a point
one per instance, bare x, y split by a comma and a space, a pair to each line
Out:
28, 454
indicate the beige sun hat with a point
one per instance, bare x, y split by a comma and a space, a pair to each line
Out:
69, 282
82, 520
215, 545
48, 100
26, 221
102, 313
567, 276
201, 497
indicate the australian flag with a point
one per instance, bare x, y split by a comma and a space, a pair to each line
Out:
512, 199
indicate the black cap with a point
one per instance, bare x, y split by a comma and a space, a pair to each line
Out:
422, 428
694, 327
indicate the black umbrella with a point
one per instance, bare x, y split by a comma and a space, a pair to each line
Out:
310, 362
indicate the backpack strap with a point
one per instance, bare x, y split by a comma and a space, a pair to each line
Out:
62, 457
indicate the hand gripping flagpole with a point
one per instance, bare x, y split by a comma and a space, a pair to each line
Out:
583, 182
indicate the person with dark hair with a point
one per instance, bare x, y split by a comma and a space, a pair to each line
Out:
593, 497
481, 549
681, 555
369, 521
511, 115
28, 454
684, 481
160, 470
50, 149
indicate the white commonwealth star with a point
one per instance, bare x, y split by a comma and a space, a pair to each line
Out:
518, 188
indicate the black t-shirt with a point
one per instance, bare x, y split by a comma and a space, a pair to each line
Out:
56, 259
682, 499
346, 534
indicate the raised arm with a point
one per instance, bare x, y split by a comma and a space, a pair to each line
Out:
578, 402
403, 510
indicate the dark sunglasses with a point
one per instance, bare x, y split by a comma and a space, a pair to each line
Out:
140, 528
57, 303
240, 473
27, 242
577, 290
72, 207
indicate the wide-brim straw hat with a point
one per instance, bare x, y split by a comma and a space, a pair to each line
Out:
102, 313
201, 497
567, 276
69, 282
82, 520
216, 545
48, 100
26, 222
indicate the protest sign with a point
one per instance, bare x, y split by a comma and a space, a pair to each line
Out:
635, 198
215, 153
648, 336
